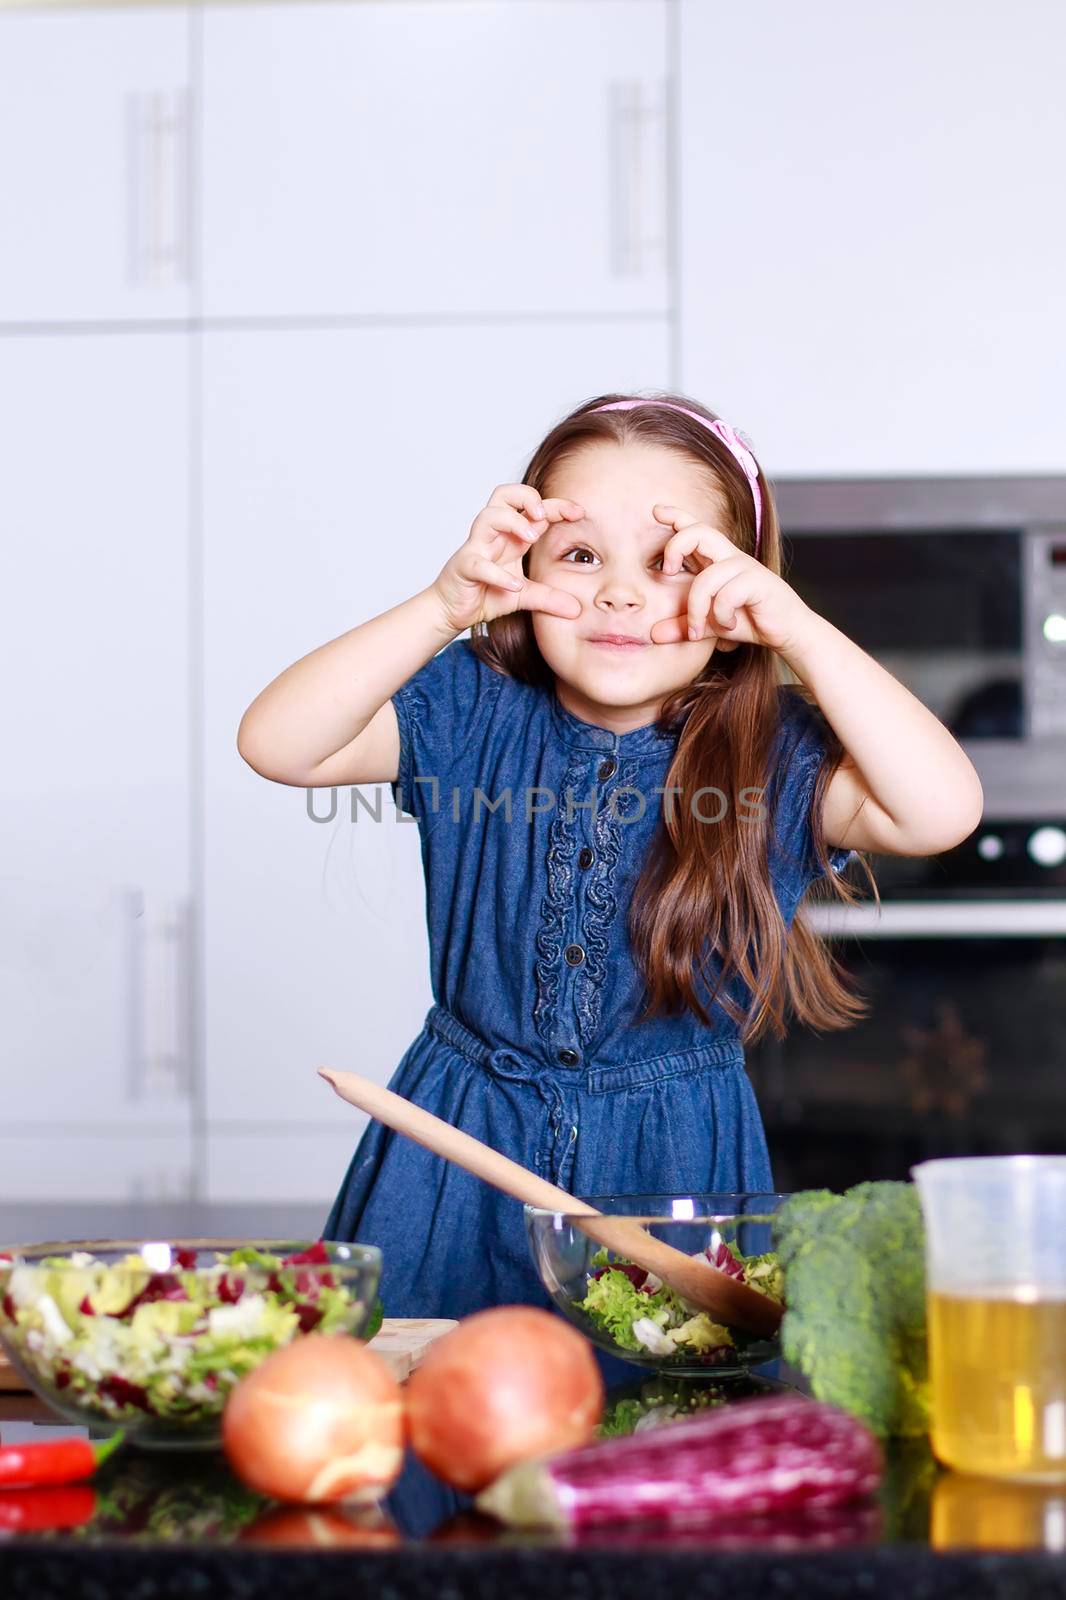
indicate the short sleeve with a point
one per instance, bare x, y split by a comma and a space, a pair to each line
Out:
799, 749
440, 712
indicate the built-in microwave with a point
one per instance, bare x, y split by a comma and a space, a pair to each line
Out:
957, 586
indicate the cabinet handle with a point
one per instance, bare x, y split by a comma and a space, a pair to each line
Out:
637, 132
131, 910
158, 998
158, 131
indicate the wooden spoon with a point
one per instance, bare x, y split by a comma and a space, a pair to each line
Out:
726, 1299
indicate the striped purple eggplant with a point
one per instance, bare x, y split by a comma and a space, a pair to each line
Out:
749, 1458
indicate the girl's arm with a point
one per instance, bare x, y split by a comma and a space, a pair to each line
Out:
329, 718
905, 786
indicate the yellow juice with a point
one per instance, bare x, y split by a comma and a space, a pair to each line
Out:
997, 1361
983, 1514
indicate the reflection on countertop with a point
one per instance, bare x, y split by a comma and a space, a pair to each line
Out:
147, 1499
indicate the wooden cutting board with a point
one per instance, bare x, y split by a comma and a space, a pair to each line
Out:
402, 1342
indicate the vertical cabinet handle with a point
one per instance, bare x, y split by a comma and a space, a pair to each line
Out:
130, 905
158, 131
158, 1011
638, 159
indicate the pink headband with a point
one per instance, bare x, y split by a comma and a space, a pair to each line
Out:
735, 443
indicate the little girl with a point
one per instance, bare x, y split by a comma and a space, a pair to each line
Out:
621, 803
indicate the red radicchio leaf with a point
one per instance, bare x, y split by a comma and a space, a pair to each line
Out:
309, 1317
317, 1256
230, 1289
124, 1392
724, 1259
87, 1308
9, 1308
160, 1286
186, 1260
636, 1275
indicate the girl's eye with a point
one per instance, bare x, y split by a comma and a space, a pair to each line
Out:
687, 567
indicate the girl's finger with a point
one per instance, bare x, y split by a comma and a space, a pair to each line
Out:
694, 608
677, 547
481, 570
674, 630
698, 601
730, 597
518, 497
494, 521
712, 541
703, 592
698, 541
542, 597
523, 497
669, 630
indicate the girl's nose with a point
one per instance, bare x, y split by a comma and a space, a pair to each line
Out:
619, 593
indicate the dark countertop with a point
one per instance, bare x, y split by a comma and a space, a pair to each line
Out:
153, 1524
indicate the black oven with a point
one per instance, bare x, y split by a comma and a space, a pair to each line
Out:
963, 1052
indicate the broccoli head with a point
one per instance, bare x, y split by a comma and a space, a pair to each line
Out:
854, 1323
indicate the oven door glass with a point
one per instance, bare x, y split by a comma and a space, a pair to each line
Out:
963, 1053
941, 610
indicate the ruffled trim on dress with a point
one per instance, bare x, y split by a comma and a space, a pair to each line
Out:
558, 897
602, 899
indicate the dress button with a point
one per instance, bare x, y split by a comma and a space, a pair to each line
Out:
573, 955
569, 1058
607, 769
584, 857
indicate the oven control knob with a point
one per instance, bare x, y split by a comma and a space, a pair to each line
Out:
1047, 846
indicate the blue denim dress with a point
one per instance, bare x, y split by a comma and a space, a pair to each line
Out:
533, 827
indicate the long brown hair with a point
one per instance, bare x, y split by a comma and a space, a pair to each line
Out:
702, 889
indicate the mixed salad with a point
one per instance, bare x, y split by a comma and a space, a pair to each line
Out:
641, 1313
654, 1402
158, 1334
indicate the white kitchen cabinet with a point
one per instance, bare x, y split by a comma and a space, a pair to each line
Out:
95, 875
94, 164
63, 1162
437, 157
271, 1163
341, 470
873, 249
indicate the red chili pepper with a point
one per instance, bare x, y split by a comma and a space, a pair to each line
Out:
55, 1461
34, 1510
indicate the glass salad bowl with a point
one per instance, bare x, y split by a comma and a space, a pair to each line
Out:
151, 1336
630, 1313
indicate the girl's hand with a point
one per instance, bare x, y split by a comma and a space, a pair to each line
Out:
484, 579
733, 597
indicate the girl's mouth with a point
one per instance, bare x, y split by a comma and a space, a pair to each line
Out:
616, 641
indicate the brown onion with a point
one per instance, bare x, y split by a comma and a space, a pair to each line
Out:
505, 1385
320, 1419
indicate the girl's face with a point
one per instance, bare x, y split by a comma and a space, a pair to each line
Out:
611, 559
